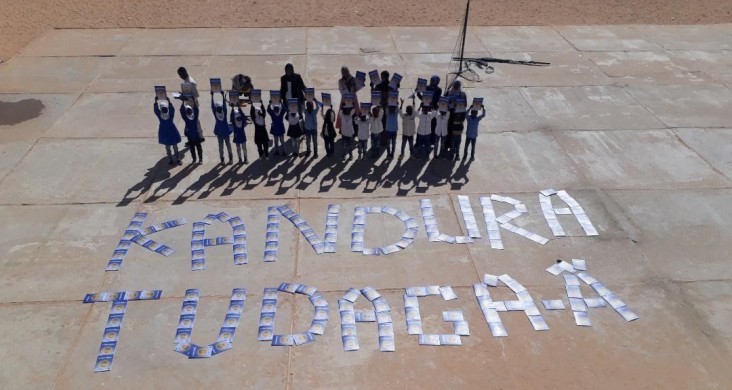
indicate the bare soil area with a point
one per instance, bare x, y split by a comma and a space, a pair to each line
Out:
22, 21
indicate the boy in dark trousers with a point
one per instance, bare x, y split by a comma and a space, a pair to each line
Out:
190, 117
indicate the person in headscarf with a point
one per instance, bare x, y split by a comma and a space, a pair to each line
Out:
221, 129
237, 122
168, 133
190, 117
261, 138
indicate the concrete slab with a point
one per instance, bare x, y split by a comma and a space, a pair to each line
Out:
140, 74
566, 69
262, 41
116, 115
686, 105
713, 145
607, 38
433, 39
711, 304
360, 40
173, 42
717, 64
638, 159
645, 67
688, 37
588, 108
55, 171
145, 348
30, 75
10, 154
48, 246
80, 42
656, 193
699, 222
40, 336
521, 38
506, 110
27, 117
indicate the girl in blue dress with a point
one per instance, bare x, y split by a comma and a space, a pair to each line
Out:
221, 129
277, 112
168, 134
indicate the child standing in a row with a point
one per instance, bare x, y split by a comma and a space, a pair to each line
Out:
190, 117
221, 128
168, 134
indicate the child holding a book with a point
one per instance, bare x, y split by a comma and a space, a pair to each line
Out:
221, 128
190, 117
168, 133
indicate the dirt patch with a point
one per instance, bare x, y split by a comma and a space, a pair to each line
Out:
23, 21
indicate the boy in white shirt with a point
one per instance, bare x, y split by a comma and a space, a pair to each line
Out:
346, 116
424, 131
441, 133
377, 126
364, 126
408, 128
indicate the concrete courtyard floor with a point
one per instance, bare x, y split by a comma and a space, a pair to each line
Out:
635, 122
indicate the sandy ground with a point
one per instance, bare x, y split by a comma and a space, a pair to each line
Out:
23, 21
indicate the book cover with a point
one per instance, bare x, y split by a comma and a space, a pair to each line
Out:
234, 98
161, 92
427, 100
421, 85
360, 80
215, 85
375, 98
348, 100
374, 76
460, 104
443, 104
274, 97
365, 107
326, 99
477, 104
256, 96
293, 105
396, 78
394, 98
309, 94
186, 89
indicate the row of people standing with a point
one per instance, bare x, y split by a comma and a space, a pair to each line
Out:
357, 124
